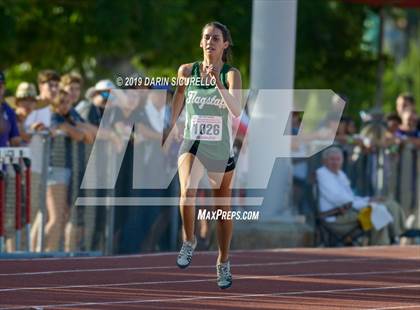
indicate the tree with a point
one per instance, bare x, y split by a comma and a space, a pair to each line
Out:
329, 51
403, 77
93, 37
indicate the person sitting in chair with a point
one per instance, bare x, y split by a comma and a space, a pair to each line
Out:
339, 207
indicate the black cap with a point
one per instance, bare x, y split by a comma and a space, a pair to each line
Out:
2, 77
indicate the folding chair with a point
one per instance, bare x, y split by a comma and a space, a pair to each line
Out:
325, 236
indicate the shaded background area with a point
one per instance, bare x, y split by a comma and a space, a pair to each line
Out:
336, 42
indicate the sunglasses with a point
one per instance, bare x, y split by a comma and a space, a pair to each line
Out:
104, 94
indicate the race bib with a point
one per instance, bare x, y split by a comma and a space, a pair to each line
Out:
206, 127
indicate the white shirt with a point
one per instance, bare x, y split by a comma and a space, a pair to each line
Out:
335, 191
41, 115
156, 117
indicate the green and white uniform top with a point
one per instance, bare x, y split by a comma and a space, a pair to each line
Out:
208, 119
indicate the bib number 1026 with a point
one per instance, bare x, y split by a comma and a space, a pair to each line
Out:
207, 128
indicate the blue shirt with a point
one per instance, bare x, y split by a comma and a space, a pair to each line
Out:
8, 124
410, 134
72, 117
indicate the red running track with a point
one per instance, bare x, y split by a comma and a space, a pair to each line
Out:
345, 278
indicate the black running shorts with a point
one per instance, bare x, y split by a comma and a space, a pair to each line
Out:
212, 165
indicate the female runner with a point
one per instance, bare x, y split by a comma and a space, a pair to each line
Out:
210, 105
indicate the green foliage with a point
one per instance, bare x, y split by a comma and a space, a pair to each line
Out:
404, 77
94, 37
98, 38
329, 53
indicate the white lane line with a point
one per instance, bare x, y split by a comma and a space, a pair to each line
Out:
291, 250
396, 307
193, 298
271, 277
267, 264
117, 257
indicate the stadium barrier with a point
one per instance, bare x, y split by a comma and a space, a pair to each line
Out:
390, 172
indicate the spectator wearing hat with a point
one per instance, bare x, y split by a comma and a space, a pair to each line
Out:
9, 132
48, 84
25, 101
92, 109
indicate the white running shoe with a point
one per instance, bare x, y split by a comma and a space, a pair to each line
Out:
185, 255
224, 276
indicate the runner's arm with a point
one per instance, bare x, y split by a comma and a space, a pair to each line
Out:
232, 96
184, 72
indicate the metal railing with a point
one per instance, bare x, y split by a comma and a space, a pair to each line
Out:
392, 172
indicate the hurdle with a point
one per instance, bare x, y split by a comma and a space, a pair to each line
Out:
15, 156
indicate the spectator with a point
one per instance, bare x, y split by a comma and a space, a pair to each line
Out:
9, 132
25, 100
9, 136
342, 135
48, 84
408, 129
93, 108
351, 127
72, 83
129, 111
373, 135
69, 124
406, 101
342, 206
92, 111
154, 220
393, 122
409, 137
300, 166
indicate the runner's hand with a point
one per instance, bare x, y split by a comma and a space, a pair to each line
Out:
213, 72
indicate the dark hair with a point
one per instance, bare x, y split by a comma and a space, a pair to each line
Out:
408, 97
393, 117
48, 75
345, 119
227, 53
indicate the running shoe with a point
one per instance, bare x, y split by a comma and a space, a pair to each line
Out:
224, 276
185, 255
